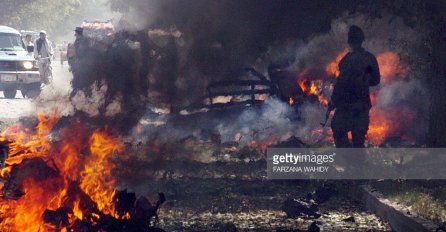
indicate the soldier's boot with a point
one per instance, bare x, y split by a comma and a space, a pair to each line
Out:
358, 139
359, 129
341, 139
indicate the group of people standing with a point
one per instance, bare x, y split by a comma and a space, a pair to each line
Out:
43, 51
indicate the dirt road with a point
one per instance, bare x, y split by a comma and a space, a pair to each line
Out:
13, 109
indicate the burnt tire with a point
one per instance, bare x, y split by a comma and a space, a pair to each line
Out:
10, 93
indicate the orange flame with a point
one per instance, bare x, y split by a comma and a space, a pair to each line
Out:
312, 88
308, 87
97, 179
28, 146
80, 157
263, 144
389, 122
76, 210
383, 122
391, 67
332, 68
321, 98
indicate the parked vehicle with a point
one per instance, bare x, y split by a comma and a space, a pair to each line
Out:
34, 34
18, 69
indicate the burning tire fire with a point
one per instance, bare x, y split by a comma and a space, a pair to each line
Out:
67, 185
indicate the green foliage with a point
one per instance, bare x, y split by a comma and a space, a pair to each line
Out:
426, 198
49, 15
120, 6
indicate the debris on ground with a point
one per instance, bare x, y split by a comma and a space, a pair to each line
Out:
349, 219
299, 207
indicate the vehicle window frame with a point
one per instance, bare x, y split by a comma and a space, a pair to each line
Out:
19, 38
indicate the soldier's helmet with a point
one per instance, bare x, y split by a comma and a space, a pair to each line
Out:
355, 35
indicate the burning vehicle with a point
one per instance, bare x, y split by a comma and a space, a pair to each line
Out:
300, 88
18, 70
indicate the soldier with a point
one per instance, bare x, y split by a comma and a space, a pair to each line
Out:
81, 45
79, 65
351, 98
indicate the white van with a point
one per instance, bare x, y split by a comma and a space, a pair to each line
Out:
18, 70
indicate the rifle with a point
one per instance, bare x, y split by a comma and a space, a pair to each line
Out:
330, 108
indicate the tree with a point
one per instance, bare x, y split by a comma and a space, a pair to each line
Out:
55, 16
437, 119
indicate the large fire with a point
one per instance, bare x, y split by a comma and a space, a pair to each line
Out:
72, 169
384, 123
390, 67
82, 157
387, 122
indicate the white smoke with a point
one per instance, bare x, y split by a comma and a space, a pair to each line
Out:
385, 34
399, 92
277, 118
